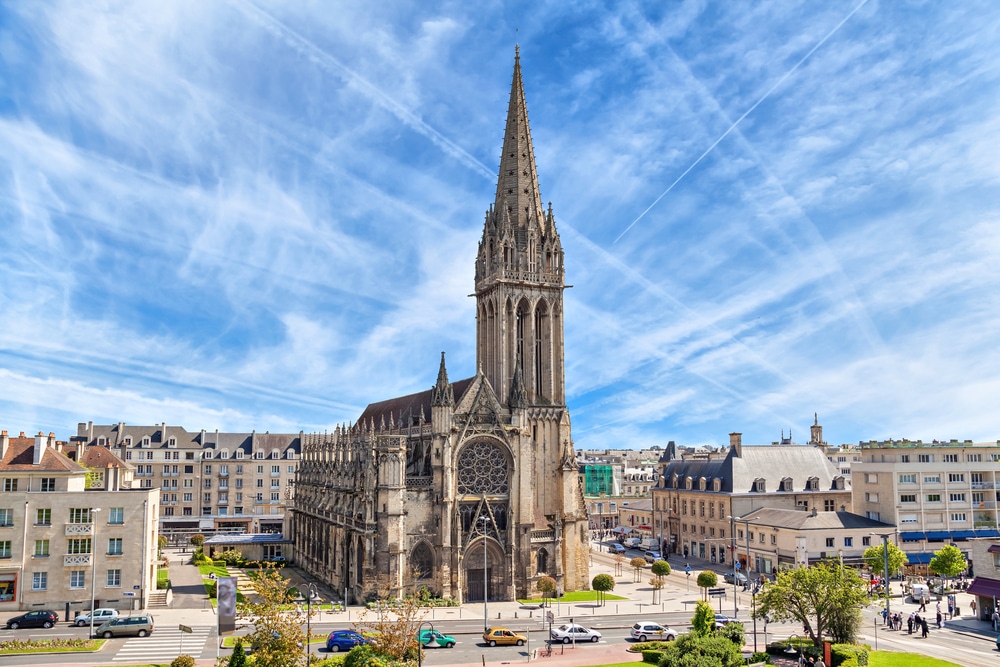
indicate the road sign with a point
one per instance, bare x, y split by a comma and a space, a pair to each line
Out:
129, 594
716, 592
136, 587
737, 565
184, 628
687, 570
550, 617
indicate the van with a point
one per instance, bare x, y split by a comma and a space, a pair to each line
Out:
139, 625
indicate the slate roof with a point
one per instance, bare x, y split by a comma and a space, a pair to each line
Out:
21, 455
390, 411
248, 538
800, 520
769, 462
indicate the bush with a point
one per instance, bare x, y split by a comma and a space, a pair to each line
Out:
182, 661
760, 656
332, 661
842, 653
652, 656
212, 588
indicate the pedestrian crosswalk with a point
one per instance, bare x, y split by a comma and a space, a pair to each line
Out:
164, 645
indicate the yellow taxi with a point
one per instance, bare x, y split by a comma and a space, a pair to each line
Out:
503, 637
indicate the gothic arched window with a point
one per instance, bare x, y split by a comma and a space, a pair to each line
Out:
542, 561
422, 561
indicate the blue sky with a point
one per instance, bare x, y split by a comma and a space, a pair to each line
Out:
265, 215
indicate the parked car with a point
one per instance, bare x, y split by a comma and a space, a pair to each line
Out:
617, 548
503, 637
652, 556
722, 620
139, 625
570, 633
740, 578
433, 638
43, 618
633, 542
344, 640
646, 631
100, 616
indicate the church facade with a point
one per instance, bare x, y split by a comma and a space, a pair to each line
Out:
469, 488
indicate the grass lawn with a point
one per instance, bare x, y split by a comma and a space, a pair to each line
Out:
92, 645
892, 659
576, 596
162, 577
219, 570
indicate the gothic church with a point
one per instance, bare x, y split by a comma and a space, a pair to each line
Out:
432, 488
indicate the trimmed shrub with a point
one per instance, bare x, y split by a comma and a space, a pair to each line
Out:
652, 656
760, 656
182, 661
841, 653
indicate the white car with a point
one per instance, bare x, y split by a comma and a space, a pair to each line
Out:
101, 616
646, 631
570, 633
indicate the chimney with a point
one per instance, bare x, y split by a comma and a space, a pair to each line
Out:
813, 511
4, 444
736, 442
40, 443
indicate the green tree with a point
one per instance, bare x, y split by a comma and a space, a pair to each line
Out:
239, 656
948, 561
660, 569
603, 583
547, 587
161, 544
735, 632
637, 565
823, 597
393, 623
703, 621
197, 540
702, 650
277, 635
876, 561
706, 580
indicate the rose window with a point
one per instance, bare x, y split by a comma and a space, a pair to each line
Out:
482, 469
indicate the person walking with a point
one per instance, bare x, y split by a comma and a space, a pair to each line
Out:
923, 628
909, 624
939, 620
973, 605
820, 662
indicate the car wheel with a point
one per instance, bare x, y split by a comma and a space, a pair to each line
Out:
671, 638
335, 648
642, 638
80, 624
520, 642
143, 633
565, 640
14, 626
107, 634
493, 642
47, 624
595, 639
450, 645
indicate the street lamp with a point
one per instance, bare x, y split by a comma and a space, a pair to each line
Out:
885, 554
736, 562
485, 521
753, 593
313, 594
93, 565
420, 647
796, 649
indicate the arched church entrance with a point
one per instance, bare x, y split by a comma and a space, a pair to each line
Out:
485, 574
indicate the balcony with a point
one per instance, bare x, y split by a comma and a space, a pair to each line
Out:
73, 560
77, 529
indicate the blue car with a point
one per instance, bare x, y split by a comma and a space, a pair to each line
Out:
344, 640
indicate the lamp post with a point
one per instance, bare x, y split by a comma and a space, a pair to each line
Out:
753, 594
485, 521
796, 649
313, 593
420, 646
885, 555
93, 565
732, 536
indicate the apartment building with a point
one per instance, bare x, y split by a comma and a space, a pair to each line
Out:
936, 492
62, 536
209, 482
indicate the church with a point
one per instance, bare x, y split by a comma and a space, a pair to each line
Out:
469, 488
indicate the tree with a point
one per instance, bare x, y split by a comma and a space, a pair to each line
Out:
637, 565
735, 632
277, 635
603, 583
824, 597
948, 561
161, 544
393, 623
876, 560
702, 650
706, 580
546, 586
197, 540
703, 621
239, 656
660, 569
619, 559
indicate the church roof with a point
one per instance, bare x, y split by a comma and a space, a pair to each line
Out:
408, 407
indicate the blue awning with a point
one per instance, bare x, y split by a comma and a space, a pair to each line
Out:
911, 537
962, 534
919, 559
988, 533
938, 535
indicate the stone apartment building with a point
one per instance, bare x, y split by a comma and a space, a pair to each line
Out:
697, 496
209, 482
58, 537
936, 492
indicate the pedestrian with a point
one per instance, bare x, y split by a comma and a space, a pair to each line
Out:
820, 662
909, 624
973, 605
951, 610
939, 622
923, 603
923, 628
885, 617
996, 620
802, 660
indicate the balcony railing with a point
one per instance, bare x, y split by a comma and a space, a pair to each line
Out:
74, 529
71, 560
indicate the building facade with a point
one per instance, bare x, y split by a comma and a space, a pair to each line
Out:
209, 482
470, 488
59, 538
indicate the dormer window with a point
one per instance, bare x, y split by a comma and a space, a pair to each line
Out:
839, 483
786, 484
702, 483
207, 454
224, 454
717, 485
759, 485
128, 441
275, 453
146, 441
290, 454
689, 483
812, 484
172, 443
102, 441
258, 455
239, 453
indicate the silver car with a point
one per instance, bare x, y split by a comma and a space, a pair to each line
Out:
574, 633
139, 625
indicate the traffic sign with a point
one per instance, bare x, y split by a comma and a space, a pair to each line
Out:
716, 592
687, 570
129, 594
738, 565
184, 628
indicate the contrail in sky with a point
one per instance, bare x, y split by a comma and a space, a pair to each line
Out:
738, 120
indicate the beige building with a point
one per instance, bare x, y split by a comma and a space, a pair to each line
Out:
697, 496
55, 544
209, 482
984, 557
936, 493
473, 484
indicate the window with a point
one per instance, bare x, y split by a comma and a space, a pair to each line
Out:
925, 458
79, 515
239, 470
114, 546
77, 578
974, 458
6, 517
208, 484
829, 542
905, 458
873, 515
957, 497
47, 485
908, 498
238, 509
208, 470
188, 483
907, 518
976, 478
207, 498
260, 470
275, 470
189, 456
275, 453
114, 578
188, 470
10, 484
871, 497
871, 478
774, 539
828, 505
168, 511
41, 549
239, 453
958, 516
187, 497
848, 541
39, 581
4, 548
206, 511
933, 497
275, 497
239, 497
116, 515
223, 511
291, 470
866, 541
950, 458
260, 484
908, 479
932, 479
760, 537
239, 483
80, 545
187, 511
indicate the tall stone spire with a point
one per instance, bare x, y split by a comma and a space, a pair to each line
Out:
443, 394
